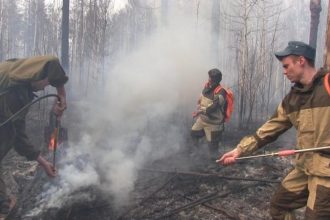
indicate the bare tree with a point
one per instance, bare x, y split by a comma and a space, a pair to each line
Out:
1, 30
39, 29
327, 43
315, 8
10, 34
65, 35
77, 36
215, 31
243, 34
255, 27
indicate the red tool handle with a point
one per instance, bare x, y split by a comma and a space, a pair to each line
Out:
284, 153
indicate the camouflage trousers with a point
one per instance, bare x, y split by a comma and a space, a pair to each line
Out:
298, 190
212, 132
5, 146
213, 135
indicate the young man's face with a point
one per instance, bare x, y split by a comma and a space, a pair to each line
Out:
212, 81
39, 85
293, 68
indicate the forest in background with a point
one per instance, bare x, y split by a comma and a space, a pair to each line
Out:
242, 38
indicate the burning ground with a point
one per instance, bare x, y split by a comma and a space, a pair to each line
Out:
177, 186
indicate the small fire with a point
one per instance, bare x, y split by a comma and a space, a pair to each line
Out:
53, 140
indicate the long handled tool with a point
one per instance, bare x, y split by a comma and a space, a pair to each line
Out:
54, 136
283, 153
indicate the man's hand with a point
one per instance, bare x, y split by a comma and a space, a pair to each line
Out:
60, 105
197, 112
47, 166
230, 157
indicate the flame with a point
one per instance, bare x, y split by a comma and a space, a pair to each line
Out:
53, 140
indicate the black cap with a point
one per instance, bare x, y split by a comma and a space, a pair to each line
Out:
297, 48
55, 73
215, 75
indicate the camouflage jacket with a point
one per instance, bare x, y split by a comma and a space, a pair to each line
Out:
15, 78
307, 109
212, 104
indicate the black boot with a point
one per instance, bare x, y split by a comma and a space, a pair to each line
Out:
213, 150
193, 149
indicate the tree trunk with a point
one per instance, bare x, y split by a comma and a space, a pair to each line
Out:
1, 31
315, 7
327, 42
65, 35
215, 32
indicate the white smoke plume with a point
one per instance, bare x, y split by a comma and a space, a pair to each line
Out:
139, 117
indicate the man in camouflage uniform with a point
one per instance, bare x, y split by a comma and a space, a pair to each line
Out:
210, 113
307, 108
19, 78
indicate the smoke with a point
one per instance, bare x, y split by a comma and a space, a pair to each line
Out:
140, 116
74, 174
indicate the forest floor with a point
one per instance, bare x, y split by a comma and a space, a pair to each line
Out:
178, 187
206, 190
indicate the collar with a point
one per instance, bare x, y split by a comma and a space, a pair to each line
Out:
300, 88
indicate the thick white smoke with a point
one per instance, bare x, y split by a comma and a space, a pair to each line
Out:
140, 116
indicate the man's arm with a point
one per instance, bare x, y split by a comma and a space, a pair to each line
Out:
219, 102
267, 133
198, 109
25, 148
22, 143
60, 105
47, 166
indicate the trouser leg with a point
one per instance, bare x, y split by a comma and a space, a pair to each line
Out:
318, 204
292, 194
3, 193
213, 150
195, 136
6, 136
197, 132
213, 135
4, 199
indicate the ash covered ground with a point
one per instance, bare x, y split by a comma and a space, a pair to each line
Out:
179, 186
